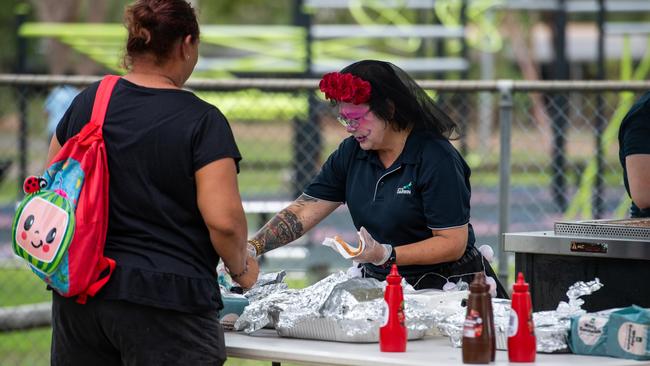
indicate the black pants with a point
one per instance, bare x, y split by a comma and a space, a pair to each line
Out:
105, 332
470, 263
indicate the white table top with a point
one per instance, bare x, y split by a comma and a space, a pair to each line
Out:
267, 345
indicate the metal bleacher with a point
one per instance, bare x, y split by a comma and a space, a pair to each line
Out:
413, 63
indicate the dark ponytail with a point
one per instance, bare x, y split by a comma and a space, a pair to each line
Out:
155, 25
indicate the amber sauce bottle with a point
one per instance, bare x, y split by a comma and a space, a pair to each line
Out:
479, 342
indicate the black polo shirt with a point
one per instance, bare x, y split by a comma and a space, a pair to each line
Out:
634, 138
427, 188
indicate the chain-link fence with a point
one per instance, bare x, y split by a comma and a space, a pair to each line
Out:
539, 152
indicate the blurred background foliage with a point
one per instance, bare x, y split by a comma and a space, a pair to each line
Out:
511, 37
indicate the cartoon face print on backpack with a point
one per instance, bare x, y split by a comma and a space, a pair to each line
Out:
41, 227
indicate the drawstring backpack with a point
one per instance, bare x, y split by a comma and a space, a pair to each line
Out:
60, 225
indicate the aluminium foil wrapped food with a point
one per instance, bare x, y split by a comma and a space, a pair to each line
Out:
337, 308
266, 284
452, 325
551, 327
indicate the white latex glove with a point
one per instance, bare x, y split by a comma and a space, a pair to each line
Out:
373, 251
368, 250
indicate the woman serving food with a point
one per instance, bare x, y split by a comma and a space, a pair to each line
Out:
406, 186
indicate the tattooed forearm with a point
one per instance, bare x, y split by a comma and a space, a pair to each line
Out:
304, 199
292, 222
283, 228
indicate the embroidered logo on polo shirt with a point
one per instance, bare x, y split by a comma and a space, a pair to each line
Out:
406, 189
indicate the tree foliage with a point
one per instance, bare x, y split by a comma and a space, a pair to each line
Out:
51, 56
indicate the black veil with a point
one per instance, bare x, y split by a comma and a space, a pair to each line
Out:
397, 98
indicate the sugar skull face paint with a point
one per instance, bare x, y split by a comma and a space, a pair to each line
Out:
40, 228
351, 116
355, 118
351, 123
361, 123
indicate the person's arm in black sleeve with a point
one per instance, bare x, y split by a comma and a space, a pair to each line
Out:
215, 162
638, 173
636, 145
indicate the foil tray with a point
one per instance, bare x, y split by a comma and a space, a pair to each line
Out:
326, 329
631, 229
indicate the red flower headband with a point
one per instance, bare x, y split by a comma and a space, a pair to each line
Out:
345, 88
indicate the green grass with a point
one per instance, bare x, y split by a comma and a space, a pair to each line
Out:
26, 348
254, 104
263, 182
21, 286
30, 347
296, 282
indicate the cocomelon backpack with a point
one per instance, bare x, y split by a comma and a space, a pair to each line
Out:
60, 226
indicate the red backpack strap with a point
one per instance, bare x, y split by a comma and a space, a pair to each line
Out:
92, 131
107, 266
102, 98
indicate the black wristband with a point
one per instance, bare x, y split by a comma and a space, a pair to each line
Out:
235, 276
392, 258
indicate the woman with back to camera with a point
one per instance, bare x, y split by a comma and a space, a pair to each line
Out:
406, 187
174, 208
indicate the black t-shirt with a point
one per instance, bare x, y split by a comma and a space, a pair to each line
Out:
634, 138
156, 139
427, 188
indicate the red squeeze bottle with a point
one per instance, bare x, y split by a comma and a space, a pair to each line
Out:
393, 335
521, 334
